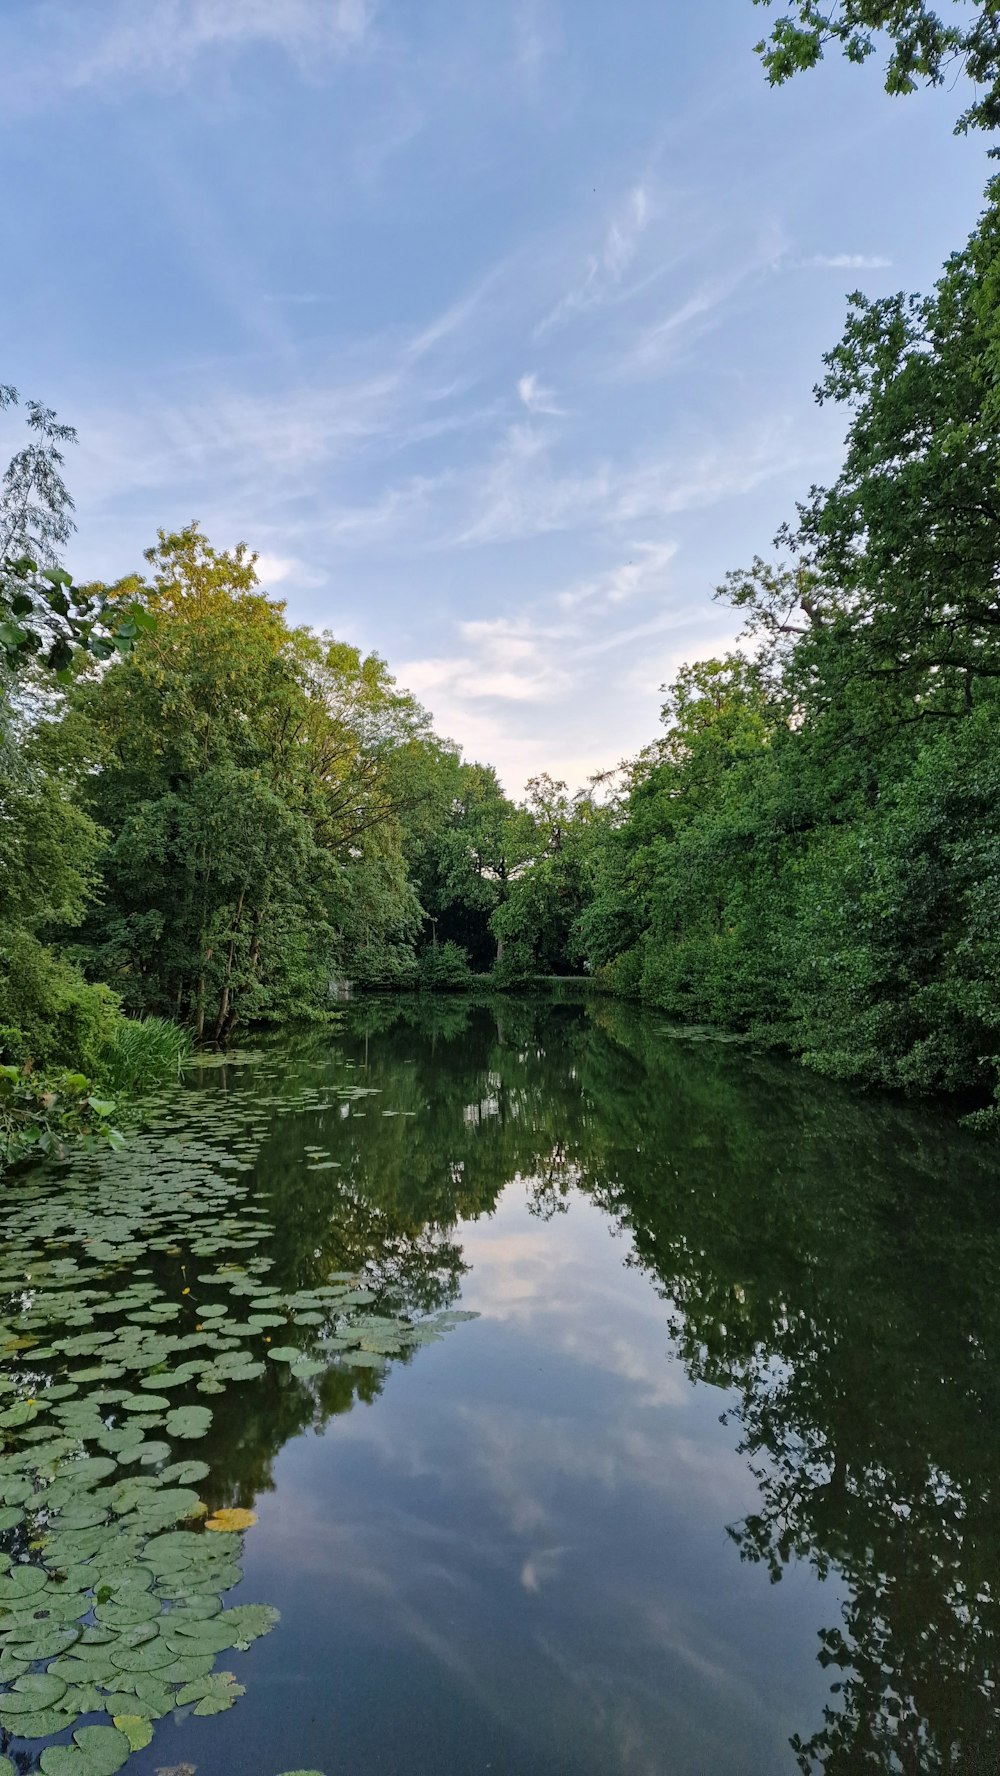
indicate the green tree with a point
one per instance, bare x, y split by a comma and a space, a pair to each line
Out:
483, 844
252, 781
538, 920
924, 48
44, 617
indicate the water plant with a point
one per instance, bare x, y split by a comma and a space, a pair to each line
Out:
133, 1289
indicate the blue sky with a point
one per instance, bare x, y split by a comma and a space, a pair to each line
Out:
491, 324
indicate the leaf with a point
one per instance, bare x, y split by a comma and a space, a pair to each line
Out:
213, 1694
98, 1751
251, 1620
36, 1726
150, 1655
21, 1581
36, 1691
136, 1728
232, 1518
189, 1421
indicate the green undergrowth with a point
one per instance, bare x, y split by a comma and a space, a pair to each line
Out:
44, 1109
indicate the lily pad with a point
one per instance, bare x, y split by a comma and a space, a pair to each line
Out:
185, 1473
35, 1691
232, 1518
35, 1726
150, 1655
98, 1751
189, 1421
213, 1694
306, 1367
21, 1581
251, 1620
136, 1728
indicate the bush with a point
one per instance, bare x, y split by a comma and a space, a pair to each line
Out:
445, 968
40, 1112
49, 1015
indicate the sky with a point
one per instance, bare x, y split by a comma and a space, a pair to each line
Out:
491, 324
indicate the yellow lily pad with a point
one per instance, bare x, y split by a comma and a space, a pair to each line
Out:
231, 1518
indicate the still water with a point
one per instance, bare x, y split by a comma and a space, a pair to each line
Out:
606, 1400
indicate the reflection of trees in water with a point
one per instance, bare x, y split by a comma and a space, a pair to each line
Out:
835, 1262
832, 1261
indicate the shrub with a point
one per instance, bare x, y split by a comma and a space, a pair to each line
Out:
40, 1112
445, 968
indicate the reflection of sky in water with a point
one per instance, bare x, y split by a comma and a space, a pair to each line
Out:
516, 1559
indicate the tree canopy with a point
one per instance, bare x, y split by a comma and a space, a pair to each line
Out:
924, 48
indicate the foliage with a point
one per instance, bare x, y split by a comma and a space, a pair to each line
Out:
49, 1014
812, 850
924, 47
445, 966
142, 1051
41, 1111
43, 615
251, 780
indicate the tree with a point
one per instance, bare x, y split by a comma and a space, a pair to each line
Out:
538, 920
484, 843
44, 617
895, 569
924, 48
252, 783
56, 1029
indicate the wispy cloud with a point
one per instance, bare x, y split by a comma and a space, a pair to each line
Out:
658, 343
165, 38
276, 570
295, 298
532, 39
643, 571
501, 658
847, 262
536, 398
521, 494
692, 482
606, 268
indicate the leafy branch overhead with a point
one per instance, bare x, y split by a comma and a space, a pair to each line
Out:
43, 616
925, 48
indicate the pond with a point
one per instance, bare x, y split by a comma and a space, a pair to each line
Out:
522, 1388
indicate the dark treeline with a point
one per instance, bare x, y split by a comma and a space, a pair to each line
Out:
210, 817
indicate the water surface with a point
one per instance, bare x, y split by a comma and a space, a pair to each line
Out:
708, 1484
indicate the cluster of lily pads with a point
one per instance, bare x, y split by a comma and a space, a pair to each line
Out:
133, 1287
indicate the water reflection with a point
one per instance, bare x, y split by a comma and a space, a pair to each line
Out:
833, 1262
738, 1326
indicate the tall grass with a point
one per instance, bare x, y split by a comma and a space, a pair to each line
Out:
143, 1052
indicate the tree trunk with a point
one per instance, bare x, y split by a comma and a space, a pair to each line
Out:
222, 1022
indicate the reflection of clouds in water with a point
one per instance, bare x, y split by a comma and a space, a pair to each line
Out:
443, 1592
557, 1283
540, 1568
537, 1508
